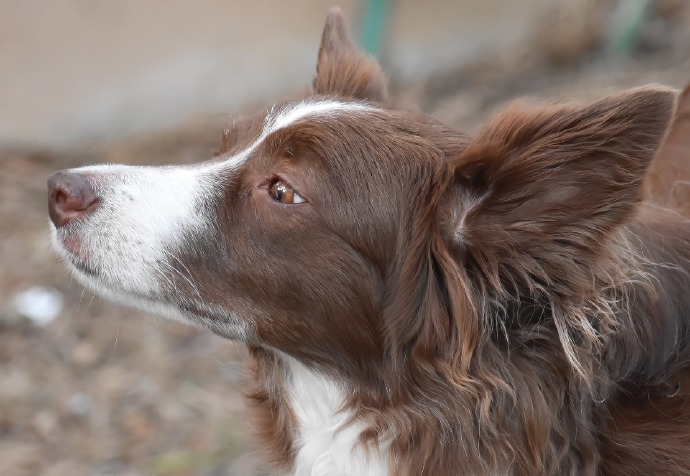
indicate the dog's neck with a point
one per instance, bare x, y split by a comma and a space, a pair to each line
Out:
327, 436
310, 423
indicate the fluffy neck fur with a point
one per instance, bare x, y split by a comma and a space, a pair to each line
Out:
534, 399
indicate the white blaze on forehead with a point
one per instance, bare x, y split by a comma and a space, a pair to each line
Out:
291, 114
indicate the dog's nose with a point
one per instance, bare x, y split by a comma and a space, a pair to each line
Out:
70, 197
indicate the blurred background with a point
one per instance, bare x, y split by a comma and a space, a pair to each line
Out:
90, 388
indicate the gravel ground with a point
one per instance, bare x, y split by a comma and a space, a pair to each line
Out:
105, 390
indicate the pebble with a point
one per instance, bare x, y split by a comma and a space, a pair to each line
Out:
39, 304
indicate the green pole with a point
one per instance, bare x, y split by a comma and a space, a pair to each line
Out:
373, 25
626, 24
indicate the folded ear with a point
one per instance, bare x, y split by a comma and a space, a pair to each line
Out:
668, 180
539, 192
343, 70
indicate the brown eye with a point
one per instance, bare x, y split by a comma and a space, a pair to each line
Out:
283, 193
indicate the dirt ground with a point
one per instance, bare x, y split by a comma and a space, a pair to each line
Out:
105, 390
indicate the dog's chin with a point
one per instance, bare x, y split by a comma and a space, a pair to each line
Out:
79, 260
91, 278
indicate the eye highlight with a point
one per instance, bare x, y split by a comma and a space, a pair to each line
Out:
283, 193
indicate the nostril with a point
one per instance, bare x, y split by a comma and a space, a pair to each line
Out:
59, 197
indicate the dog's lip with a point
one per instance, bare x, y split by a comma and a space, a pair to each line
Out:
75, 246
95, 278
76, 251
73, 243
84, 268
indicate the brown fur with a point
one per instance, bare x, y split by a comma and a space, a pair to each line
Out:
544, 335
668, 180
504, 304
342, 69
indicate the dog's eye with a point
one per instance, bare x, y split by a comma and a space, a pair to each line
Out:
283, 193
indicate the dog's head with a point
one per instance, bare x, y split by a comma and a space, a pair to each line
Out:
346, 232
287, 237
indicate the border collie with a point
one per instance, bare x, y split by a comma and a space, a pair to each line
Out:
417, 301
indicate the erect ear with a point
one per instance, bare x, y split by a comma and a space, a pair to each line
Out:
343, 70
539, 192
668, 180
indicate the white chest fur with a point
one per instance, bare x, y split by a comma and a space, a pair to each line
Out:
327, 443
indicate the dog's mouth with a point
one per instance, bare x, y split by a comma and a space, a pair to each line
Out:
75, 250
82, 259
85, 268
77, 253
97, 281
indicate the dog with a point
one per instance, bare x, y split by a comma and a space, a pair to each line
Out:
414, 300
